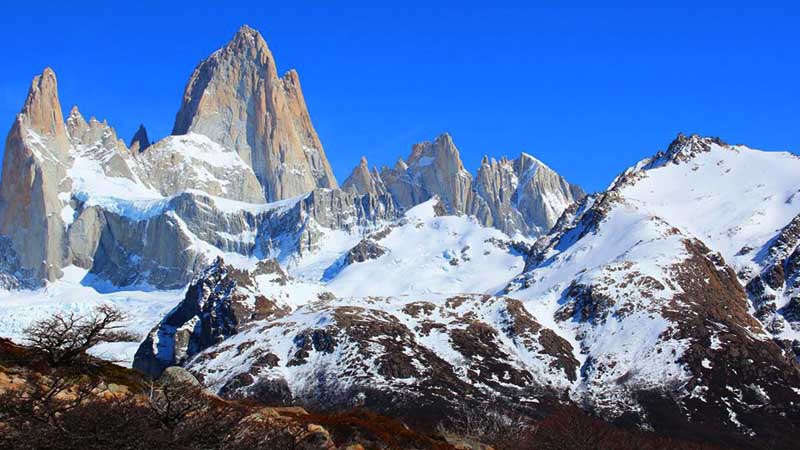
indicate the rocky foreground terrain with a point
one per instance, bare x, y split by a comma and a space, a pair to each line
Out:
668, 302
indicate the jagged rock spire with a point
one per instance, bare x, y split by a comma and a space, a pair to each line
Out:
36, 154
364, 181
236, 98
42, 109
140, 141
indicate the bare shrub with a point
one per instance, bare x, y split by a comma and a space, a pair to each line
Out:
65, 338
488, 426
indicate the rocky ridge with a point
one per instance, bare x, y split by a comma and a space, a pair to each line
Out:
521, 196
157, 213
219, 301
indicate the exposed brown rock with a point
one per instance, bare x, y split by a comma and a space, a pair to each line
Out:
744, 364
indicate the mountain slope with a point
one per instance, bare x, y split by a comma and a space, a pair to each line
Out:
662, 321
746, 213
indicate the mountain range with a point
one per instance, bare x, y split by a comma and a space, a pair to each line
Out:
670, 301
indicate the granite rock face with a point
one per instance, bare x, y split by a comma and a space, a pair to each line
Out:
36, 154
168, 249
363, 180
237, 99
521, 195
176, 164
13, 276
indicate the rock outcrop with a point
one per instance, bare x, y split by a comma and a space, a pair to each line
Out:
219, 301
140, 141
775, 291
236, 98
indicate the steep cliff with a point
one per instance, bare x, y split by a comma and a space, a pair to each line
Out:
236, 98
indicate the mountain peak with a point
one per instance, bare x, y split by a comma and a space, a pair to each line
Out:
246, 30
527, 160
42, 109
684, 147
247, 38
364, 181
236, 98
442, 149
140, 140
445, 137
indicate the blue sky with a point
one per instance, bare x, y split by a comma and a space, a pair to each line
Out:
589, 88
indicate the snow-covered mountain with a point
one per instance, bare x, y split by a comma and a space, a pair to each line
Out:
630, 311
646, 280
670, 300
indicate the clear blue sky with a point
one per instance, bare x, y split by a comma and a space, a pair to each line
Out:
588, 88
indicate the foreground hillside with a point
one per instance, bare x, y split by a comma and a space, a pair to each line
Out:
97, 405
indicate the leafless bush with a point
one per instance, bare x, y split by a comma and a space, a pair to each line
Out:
488, 426
170, 404
45, 400
65, 338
